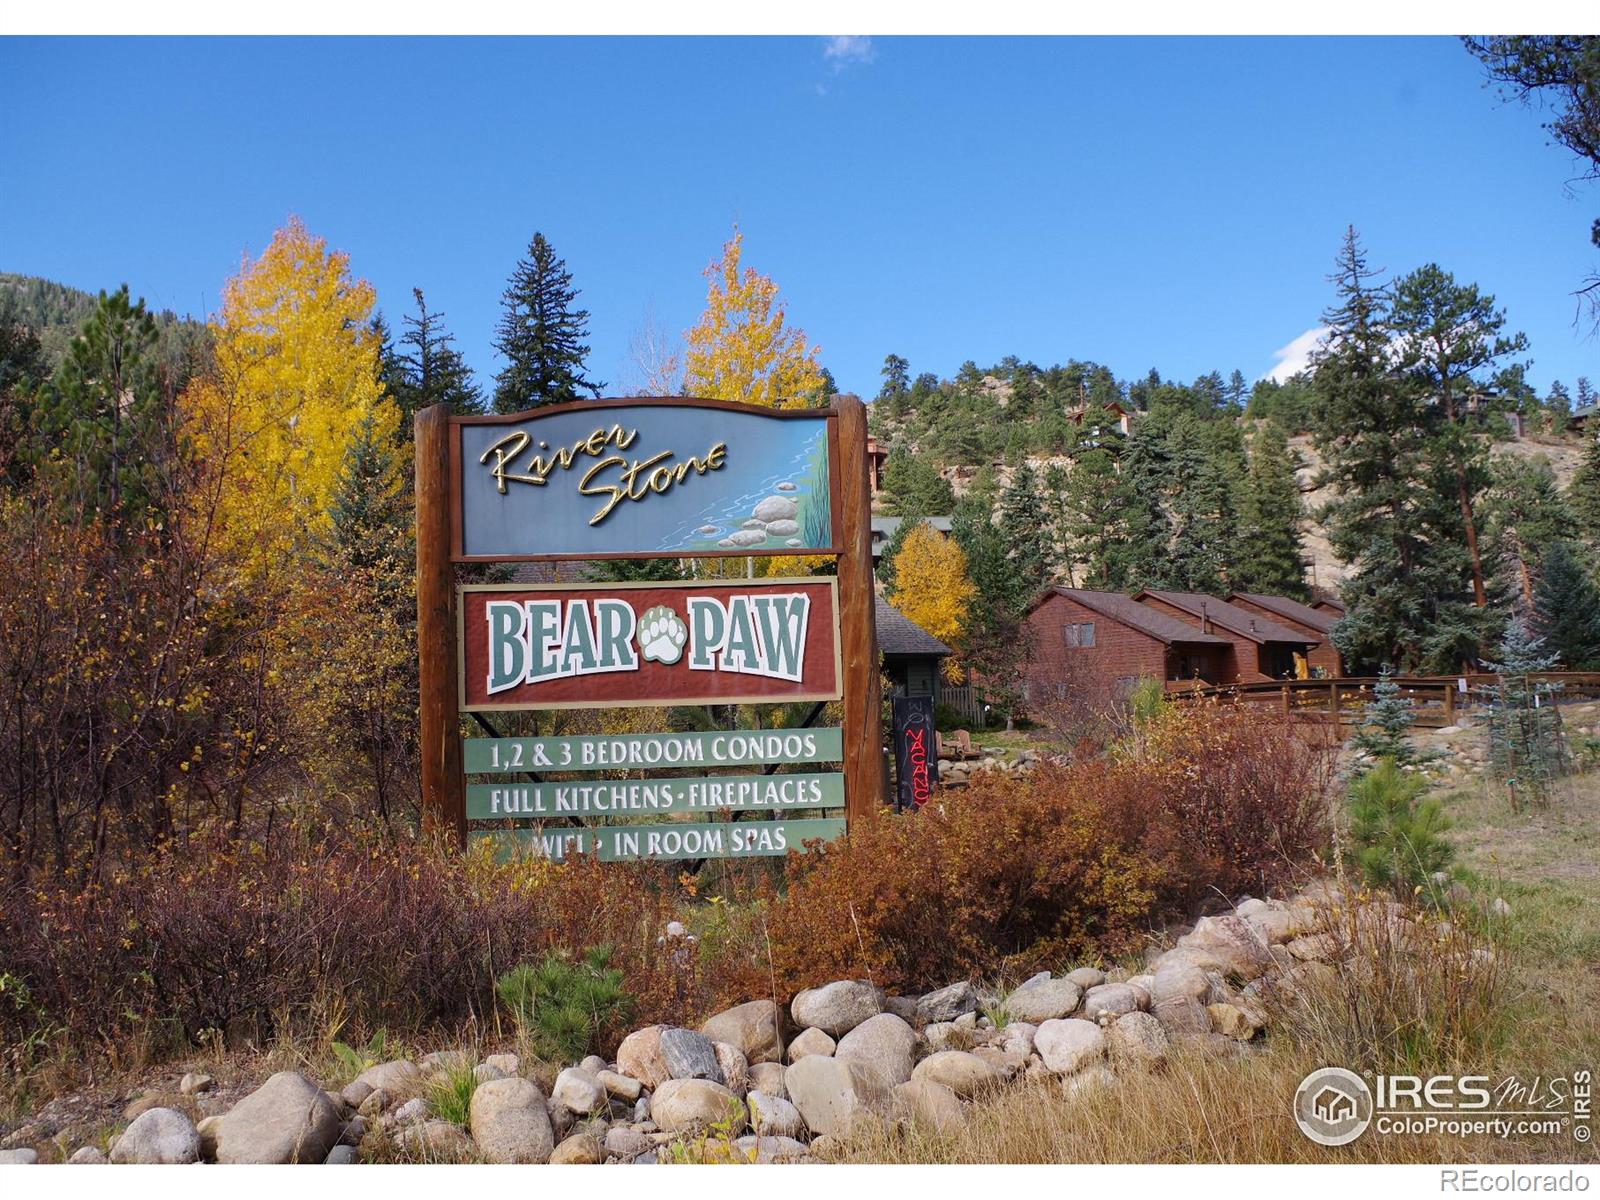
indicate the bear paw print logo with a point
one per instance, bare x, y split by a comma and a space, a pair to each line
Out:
661, 635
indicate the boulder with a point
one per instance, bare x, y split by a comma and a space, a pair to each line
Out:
1232, 1021
159, 1135
836, 1008
1231, 941
640, 1056
752, 1027
735, 1070
414, 1109
681, 1105
1041, 1000
776, 508
206, 1127
591, 1063
623, 1087
508, 1064
374, 1105
1070, 1045
689, 1055
24, 1157
625, 1142
355, 1094
1182, 1017
947, 1003
964, 1074
288, 1119
88, 1156
510, 1122
447, 1060
1087, 977
1178, 979
833, 1095
1273, 926
1316, 947
483, 1073
929, 1105
1113, 998
771, 1149
435, 1141
768, 1077
775, 1116
810, 1042
883, 1043
144, 1103
396, 1077
1091, 1079
194, 1083
1138, 1037
342, 1156
1017, 1038
904, 1007
580, 1090
580, 1148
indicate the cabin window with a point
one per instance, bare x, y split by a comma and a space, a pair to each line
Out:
1079, 635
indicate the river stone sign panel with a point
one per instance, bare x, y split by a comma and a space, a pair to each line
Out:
643, 479
649, 645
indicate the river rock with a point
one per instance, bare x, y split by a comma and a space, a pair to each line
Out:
1139, 1037
1113, 998
930, 1105
947, 1003
690, 1055
355, 1094
775, 1116
768, 1077
435, 1141
836, 1008
769, 1149
776, 508
680, 1105
1087, 977
161, 1136
640, 1057
194, 1083
1182, 1017
735, 1069
483, 1073
623, 1087
1232, 1021
809, 1042
965, 1074
752, 1027
88, 1156
1178, 979
288, 1119
782, 529
1233, 943
1070, 1045
24, 1157
414, 1109
746, 537
580, 1148
625, 1142
510, 1064
833, 1095
1041, 1000
342, 1155
580, 1090
510, 1122
396, 1077
883, 1043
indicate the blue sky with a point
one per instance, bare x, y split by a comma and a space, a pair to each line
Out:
1162, 203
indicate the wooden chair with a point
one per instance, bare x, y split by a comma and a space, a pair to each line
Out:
964, 745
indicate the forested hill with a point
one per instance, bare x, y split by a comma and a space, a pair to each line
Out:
56, 312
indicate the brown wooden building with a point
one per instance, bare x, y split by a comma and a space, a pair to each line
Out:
1077, 635
1261, 649
1314, 622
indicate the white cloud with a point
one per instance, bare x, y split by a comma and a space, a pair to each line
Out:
1296, 356
848, 51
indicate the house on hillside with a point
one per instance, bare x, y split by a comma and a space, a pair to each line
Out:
1261, 648
912, 656
1122, 416
877, 459
1315, 622
883, 529
1081, 638
1583, 417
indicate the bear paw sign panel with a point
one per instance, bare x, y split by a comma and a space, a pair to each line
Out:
770, 641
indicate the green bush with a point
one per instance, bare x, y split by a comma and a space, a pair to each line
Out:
560, 1004
450, 1091
1398, 835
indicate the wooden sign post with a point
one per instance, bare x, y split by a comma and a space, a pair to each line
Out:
646, 478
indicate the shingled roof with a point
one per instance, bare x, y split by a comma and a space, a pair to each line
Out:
1292, 610
1236, 620
1146, 620
899, 634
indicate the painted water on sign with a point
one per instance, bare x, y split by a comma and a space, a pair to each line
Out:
622, 843
790, 509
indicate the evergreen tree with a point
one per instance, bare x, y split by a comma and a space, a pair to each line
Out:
1558, 407
1586, 393
995, 644
1026, 531
1524, 513
432, 370
1142, 559
896, 386
370, 522
891, 549
1095, 505
1566, 609
22, 370
1271, 556
1583, 493
636, 570
1526, 749
1385, 729
541, 335
103, 424
1397, 833
913, 487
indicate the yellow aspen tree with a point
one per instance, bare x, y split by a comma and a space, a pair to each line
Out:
297, 371
932, 588
743, 348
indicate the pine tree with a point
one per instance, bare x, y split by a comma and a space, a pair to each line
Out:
1524, 512
1271, 555
896, 386
890, 553
1583, 493
102, 423
1095, 503
541, 335
1526, 750
1385, 729
1025, 529
1566, 609
22, 370
913, 487
1558, 407
432, 370
1397, 833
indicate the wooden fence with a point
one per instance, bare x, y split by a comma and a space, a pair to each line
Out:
966, 701
1437, 699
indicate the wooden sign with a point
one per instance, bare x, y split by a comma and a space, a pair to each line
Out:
644, 478
681, 839
608, 752
648, 797
648, 644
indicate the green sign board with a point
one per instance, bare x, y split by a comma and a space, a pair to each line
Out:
486, 756
640, 797
620, 843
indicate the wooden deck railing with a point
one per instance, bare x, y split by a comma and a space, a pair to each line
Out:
1437, 698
